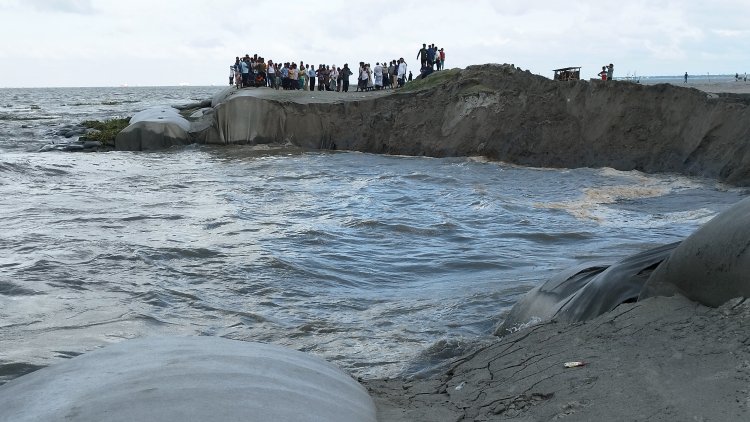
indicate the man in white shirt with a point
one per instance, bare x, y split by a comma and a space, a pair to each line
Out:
401, 72
271, 74
378, 73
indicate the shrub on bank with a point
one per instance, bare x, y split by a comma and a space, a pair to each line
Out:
105, 131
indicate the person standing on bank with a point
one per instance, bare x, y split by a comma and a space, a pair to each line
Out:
610, 71
422, 55
401, 72
311, 76
603, 73
345, 73
686, 76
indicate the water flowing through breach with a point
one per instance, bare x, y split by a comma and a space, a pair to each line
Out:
377, 263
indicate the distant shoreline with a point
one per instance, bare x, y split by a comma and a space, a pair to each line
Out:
709, 83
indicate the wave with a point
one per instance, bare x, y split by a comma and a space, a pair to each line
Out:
433, 230
23, 118
8, 288
9, 371
598, 204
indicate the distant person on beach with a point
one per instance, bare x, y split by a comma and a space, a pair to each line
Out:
422, 55
271, 74
442, 60
370, 83
345, 73
603, 73
410, 76
401, 72
362, 81
285, 77
386, 77
431, 56
333, 76
686, 76
321, 74
245, 70
311, 74
237, 74
610, 71
231, 75
378, 73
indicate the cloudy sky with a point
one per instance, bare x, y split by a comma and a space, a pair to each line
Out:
168, 42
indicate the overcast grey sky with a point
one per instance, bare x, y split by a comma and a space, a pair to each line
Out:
168, 42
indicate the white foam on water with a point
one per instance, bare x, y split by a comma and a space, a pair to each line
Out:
596, 204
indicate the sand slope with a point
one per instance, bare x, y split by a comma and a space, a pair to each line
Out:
506, 114
662, 359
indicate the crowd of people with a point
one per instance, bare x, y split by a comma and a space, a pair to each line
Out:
256, 71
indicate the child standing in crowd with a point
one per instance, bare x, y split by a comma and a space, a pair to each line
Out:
603, 73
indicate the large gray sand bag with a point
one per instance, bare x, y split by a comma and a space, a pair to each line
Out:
187, 379
154, 129
712, 265
584, 292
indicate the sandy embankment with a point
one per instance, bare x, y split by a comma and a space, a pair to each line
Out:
504, 114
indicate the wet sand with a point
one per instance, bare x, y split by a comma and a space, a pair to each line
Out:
662, 359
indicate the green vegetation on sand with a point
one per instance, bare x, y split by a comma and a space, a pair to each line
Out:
433, 80
106, 131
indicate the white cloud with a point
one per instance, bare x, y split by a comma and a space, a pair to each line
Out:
62, 6
732, 33
144, 41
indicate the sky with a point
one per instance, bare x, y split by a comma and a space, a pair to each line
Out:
172, 42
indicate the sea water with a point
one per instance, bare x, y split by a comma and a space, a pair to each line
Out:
381, 264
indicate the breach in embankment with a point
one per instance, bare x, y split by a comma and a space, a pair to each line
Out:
496, 111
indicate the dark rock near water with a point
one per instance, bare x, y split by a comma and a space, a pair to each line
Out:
78, 145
